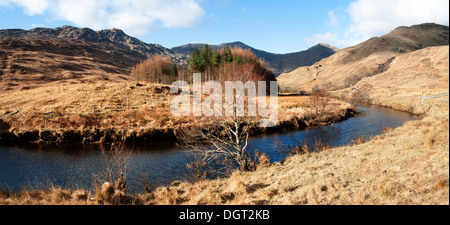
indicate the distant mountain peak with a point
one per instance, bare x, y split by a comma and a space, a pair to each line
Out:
279, 63
324, 45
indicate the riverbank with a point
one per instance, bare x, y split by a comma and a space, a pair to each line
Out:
407, 165
123, 112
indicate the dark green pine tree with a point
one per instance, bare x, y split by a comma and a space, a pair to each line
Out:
216, 59
174, 73
237, 59
206, 59
227, 57
195, 62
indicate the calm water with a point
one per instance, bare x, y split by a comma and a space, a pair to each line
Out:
73, 166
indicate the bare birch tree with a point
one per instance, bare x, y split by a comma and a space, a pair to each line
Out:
223, 140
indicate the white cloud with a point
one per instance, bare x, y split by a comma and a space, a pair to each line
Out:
33, 7
369, 18
331, 39
133, 16
333, 19
374, 18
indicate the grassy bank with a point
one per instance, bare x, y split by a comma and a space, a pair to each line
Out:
121, 112
408, 165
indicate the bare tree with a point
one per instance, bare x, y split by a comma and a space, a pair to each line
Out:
115, 166
318, 103
223, 141
362, 95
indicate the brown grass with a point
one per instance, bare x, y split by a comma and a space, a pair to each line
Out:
400, 167
110, 112
408, 166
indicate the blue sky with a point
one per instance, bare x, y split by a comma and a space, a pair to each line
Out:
274, 26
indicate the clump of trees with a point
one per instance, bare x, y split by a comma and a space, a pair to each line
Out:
158, 69
228, 64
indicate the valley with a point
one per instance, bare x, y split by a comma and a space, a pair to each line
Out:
68, 85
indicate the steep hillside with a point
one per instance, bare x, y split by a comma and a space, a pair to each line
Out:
422, 70
349, 66
26, 63
414, 81
279, 63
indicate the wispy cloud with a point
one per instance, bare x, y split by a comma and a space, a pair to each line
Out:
333, 19
4, 3
330, 38
134, 16
370, 18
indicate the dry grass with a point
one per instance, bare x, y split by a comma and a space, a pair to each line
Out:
408, 165
110, 112
411, 77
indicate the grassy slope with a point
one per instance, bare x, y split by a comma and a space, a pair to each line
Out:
411, 77
27, 64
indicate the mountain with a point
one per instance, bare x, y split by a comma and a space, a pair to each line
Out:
30, 58
115, 37
279, 63
41, 56
348, 66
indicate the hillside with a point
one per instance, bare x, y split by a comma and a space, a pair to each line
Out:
412, 81
279, 63
68, 54
26, 63
132, 46
349, 66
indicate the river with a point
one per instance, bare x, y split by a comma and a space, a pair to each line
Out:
73, 166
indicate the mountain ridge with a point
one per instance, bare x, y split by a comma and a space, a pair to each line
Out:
113, 36
279, 63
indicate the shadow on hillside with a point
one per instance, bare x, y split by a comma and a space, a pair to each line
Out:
4, 126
